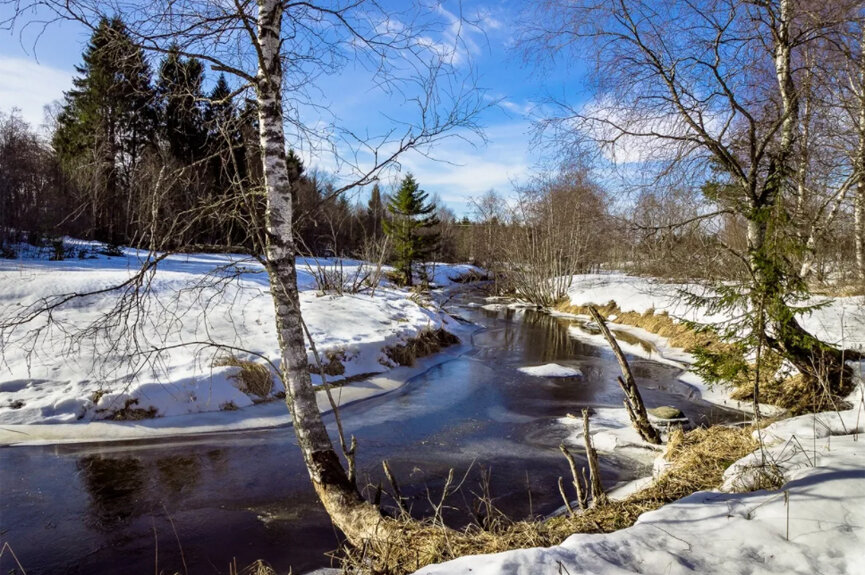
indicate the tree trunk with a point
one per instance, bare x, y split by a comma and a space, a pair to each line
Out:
633, 400
859, 199
358, 519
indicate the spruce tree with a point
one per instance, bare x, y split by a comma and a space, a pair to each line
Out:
182, 113
411, 227
375, 213
106, 123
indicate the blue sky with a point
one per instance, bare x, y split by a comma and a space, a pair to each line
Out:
457, 169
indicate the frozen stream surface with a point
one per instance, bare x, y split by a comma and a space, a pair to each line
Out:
108, 507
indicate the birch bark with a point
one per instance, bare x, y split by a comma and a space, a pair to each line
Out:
358, 519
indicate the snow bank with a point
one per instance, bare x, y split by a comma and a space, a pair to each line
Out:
814, 524
551, 370
841, 321
201, 307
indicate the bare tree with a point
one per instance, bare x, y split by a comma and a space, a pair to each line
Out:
712, 89
279, 49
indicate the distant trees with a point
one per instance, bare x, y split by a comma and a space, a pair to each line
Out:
32, 198
411, 227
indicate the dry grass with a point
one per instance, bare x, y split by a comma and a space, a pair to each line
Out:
427, 342
797, 394
129, 412
698, 460
257, 568
471, 276
661, 324
253, 378
794, 394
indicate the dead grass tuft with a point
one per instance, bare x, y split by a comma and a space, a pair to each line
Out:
427, 342
333, 364
697, 462
798, 394
253, 378
257, 568
129, 412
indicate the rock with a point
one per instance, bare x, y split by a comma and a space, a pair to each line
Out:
666, 412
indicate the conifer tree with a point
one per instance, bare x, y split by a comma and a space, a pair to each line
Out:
411, 226
106, 124
375, 213
182, 123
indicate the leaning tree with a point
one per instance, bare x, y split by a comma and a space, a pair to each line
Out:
281, 50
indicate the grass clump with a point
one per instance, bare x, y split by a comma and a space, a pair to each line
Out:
252, 378
697, 459
427, 342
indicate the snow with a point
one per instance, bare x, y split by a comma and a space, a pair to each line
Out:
814, 524
840, 321
200, 308
550, 370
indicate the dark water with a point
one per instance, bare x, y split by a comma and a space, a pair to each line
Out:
146, 507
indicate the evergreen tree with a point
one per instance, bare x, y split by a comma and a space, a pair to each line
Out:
106, 124
411, 226
182, 121
375, 213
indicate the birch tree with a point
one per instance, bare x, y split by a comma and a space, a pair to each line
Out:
280, 49
713, 90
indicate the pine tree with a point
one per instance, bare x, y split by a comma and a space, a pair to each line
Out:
411, 227
107, 122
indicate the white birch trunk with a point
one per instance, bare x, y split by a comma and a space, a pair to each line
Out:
356, 518
859, 199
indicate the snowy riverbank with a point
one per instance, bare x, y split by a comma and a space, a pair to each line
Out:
814, 523
197, 310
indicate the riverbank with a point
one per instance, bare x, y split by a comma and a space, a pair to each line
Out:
794, 505
169, 357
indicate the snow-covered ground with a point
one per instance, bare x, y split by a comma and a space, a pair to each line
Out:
840, 321
196, 309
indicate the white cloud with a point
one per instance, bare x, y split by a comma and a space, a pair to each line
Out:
29, 86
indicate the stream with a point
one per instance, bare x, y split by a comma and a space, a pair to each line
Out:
197, 504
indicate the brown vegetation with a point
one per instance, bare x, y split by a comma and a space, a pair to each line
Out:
427, 342
697, 459
252, 378
678, 335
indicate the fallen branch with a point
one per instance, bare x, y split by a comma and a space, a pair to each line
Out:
633, 400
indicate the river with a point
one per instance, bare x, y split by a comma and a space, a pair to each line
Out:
197, 504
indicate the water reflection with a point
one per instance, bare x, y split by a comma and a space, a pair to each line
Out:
115, 486
178, 472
